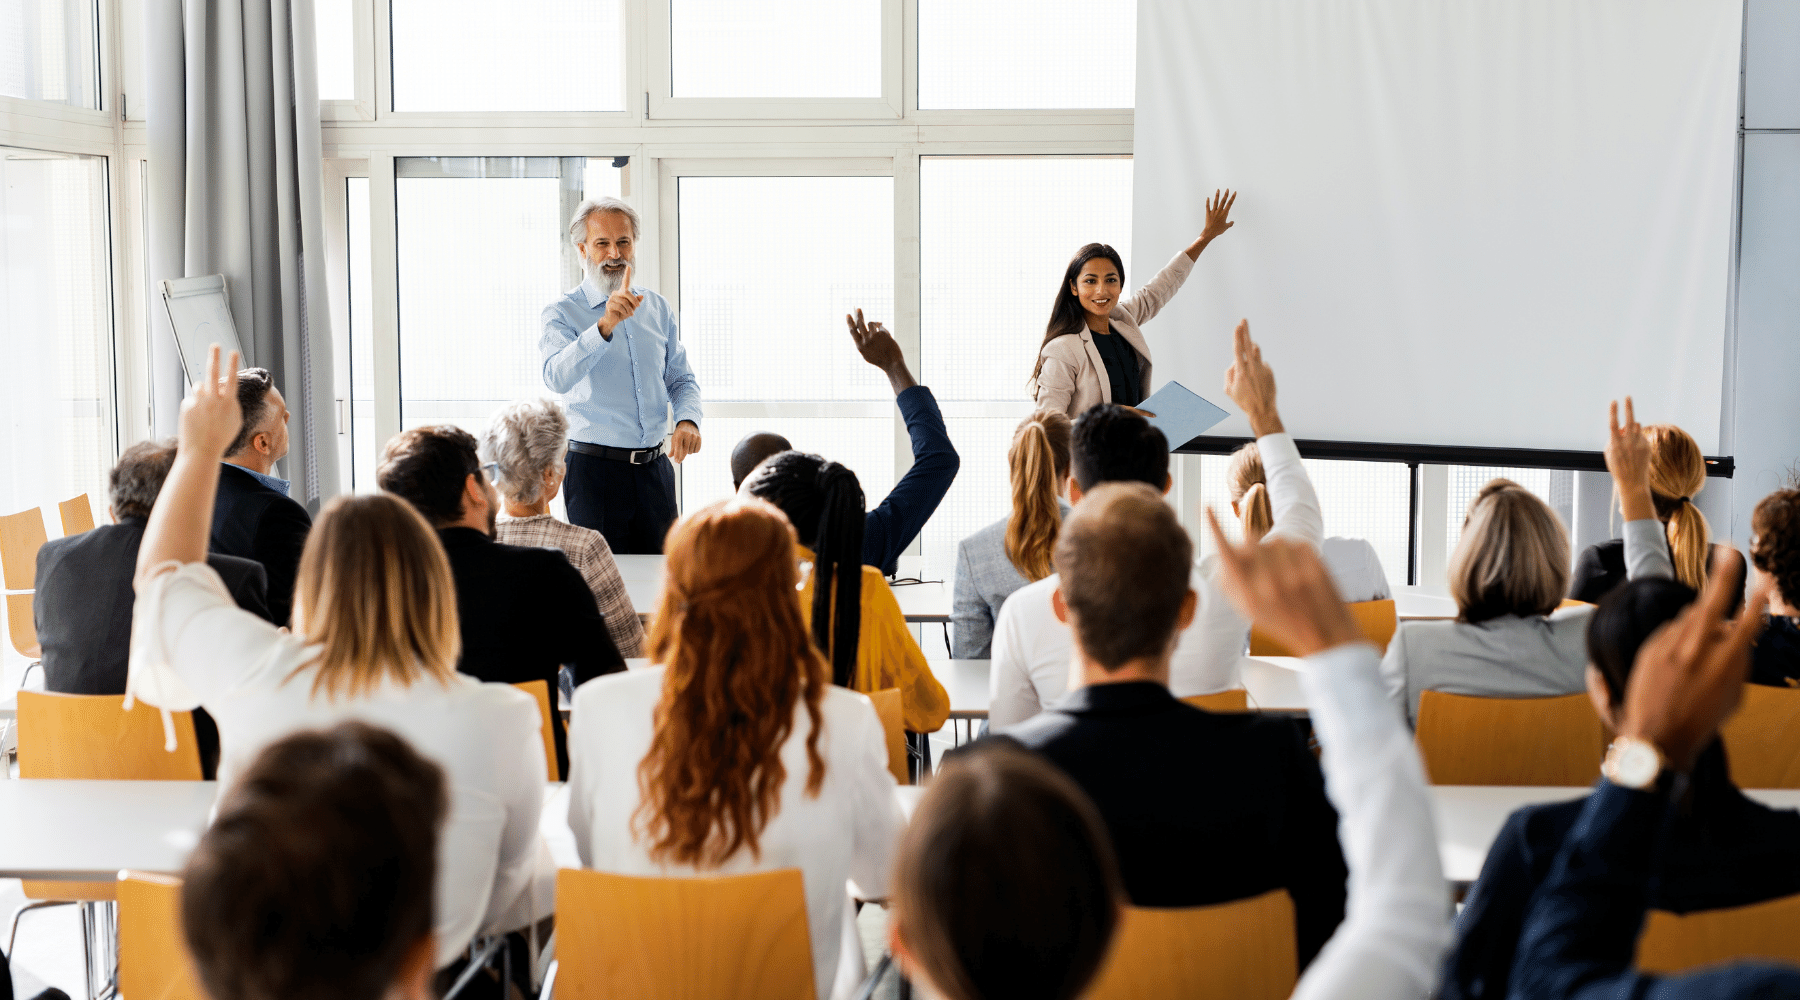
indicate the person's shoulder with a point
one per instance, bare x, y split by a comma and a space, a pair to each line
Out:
1066, 348
234, 567
842, 706
1045, 732
611, 692
981, 545
1032, 600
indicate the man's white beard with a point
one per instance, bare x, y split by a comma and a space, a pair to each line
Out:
607, 281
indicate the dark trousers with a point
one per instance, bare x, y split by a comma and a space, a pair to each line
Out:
632, 505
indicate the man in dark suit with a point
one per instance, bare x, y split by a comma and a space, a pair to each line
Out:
253, 517
524, 611
1203, 808
84, 596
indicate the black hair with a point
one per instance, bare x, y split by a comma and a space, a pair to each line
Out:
1111, 444
824, 502
1066, 314
750, 452
253, 399
1625, 619
428, 467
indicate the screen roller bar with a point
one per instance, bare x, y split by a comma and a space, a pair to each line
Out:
1432, 454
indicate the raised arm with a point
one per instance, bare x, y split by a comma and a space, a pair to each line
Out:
1156, 293
1251, 385
1628, 459
902, 514
181, 521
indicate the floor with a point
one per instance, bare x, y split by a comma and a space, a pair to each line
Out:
48, 950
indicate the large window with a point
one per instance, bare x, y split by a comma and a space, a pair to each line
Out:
775, 48
49, 51
334, 32
472, 55
1027, 53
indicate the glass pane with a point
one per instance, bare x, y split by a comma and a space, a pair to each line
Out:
56, 382
865, 444
49, 51
362, 339
981, 494
769, 268
1467, 480
1023, 54
538, 55
776, 48
334, 34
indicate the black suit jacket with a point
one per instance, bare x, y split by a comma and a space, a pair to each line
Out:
251, 521
1202, 808
525, 612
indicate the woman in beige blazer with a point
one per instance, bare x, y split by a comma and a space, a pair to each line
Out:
1078, 365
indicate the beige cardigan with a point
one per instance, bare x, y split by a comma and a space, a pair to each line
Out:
1074, 378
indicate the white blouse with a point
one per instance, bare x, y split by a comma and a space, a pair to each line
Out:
848, 832
191, 646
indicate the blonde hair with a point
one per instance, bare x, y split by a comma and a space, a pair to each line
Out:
1513, 557
1249, 487
375, 591
1677, 472
1038, 461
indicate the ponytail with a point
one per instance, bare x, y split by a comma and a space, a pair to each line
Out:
1249, 487
1259, 517
824, 503
1038, 461
1677, 472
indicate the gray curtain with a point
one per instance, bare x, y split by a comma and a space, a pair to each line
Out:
234, 189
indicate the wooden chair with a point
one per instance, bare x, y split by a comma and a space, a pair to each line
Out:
1242, 950
1509, 741
77, 515
1377, 619
154, 963
887, 705
1671, 943
541, 691
1762, 738
723, 937
21, 628
1233, 700
1570, 602
21, 535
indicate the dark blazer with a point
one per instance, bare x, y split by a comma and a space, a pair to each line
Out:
1727, 850
1775, 660
251, 521
1600, 569
1202, 808
83, 605
896, 521
525, 612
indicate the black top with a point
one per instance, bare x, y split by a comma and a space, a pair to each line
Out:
1775, 660
1726, 850
251, 521
1202, 808
1601, 568
525, 612
1122, 367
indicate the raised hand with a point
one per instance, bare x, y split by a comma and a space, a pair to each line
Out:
620, 306
879, 348
1628, 459
211, 416
1218, 215
1285, 589
1251, 384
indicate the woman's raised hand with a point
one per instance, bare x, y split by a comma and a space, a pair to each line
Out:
1628, 459
211, 417
1218, 215
1250, 383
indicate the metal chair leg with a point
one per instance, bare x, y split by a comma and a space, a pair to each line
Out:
480, 954
34, 904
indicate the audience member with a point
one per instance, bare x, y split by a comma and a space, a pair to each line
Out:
735, 753
1032, 648
1015, 550
854, 618
526, 441
897, 520
315, 880
375, 639
524, 611
1724, 849
1230, 785
253, 517
82, 609
1004, 884
1775, 548
1582, 929
1354, 565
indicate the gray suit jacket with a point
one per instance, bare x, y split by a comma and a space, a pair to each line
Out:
985, 578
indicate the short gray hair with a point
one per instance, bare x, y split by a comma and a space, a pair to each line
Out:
138, 478
594, 206
525, 438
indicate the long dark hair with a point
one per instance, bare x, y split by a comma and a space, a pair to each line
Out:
1066, 314
824, 502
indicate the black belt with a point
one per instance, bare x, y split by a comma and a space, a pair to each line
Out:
639, 456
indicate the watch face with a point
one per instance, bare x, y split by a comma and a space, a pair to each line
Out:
1635, 764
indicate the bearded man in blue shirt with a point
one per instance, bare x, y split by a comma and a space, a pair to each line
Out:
612, 350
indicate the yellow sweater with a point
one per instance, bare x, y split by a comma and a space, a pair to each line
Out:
886, 655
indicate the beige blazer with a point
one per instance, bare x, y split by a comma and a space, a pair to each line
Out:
1074, 378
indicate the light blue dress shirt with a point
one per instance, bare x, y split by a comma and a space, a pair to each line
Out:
278, 485
618, 391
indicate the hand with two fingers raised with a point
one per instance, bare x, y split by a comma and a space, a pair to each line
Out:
211, 416
1251, 383
1628, 459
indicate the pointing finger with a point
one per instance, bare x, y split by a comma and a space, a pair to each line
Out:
625, 283
1630, 415
231, 377
212, 367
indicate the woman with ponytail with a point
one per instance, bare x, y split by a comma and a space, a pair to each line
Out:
1353, 564
734, 753
852, 614
1015, 550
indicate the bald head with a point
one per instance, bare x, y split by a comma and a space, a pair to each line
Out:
751, 451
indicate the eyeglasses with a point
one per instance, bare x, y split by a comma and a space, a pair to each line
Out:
492, 471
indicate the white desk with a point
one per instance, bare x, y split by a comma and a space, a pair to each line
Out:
643, 576
1273, 683
1411, 602
923, 602
86, 831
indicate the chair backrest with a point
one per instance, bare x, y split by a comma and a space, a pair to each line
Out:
1242, 950
1233, 700
1671, 943
154, 963
21, 629
1377, 619
91, 736
722, 937
1570, 602
1762, 738
77, 515
21, 535
541, 691
887, 705
1509, 741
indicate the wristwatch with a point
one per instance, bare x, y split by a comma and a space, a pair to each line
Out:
1632, 763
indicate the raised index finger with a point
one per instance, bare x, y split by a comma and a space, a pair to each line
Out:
626, 283
212, 367
1240, 341
1612, 418
229, 388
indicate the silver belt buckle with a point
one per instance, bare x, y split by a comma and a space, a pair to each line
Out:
649, 453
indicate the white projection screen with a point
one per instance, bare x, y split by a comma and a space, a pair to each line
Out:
1460, 223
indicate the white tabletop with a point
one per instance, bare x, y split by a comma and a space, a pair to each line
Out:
1411, 602
923, 602
966, 681
86, 831
1274, 683
643, 576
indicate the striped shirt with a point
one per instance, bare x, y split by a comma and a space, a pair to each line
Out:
588, 551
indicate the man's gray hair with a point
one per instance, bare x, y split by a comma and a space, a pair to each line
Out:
138, 478
594, 206
525, 438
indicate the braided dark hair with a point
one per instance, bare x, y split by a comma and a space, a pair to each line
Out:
824, 502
